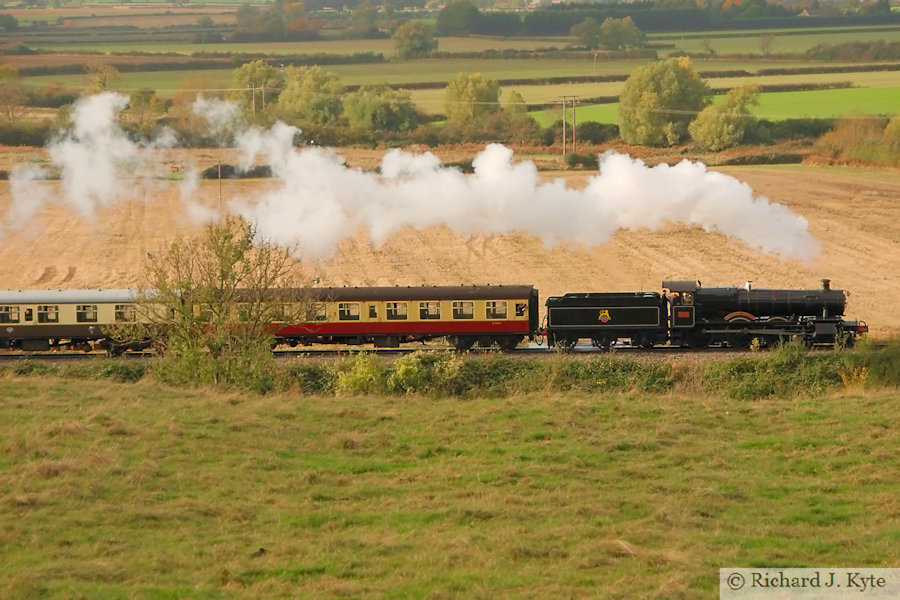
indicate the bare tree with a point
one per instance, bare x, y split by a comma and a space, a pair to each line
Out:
765, 43
219, 299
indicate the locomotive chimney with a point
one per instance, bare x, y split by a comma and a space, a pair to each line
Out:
826, 284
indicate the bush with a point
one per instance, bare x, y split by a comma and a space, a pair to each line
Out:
312, 378
365, 373
596, 133
863, 139
586, 160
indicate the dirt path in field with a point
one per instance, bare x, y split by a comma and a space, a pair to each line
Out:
854, 214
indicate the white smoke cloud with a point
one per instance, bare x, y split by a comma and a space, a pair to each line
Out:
221, 116
96, 160
318, 201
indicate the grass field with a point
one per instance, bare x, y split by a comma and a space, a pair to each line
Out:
732, 42
783, 42
441, 70
774, 106
339, 47
142, 491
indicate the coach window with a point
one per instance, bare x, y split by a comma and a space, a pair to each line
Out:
48, 313
521, 307
373, 311
243, 311
124, 313
495, 309
86, 313
429, 310
348, 311
463, 310
396, 311
9, 314
321, 311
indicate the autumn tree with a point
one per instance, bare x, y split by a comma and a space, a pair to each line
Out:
723, 124
380, 108
470, 97
617, 34
414, 39
458, 17
101, 77
659, 100
143, 111
587, 32
311, 96
515, 104
257, 85
211, 302
12, 94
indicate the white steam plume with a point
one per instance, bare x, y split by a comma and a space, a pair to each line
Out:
319, 201
91, 157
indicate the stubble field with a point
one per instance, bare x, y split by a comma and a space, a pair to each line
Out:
854, 213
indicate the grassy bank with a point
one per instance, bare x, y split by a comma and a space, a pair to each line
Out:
141, 490
790, 369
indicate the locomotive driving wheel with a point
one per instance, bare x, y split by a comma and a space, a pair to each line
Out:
738, 339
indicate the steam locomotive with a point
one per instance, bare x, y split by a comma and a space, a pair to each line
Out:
684, 314
689, 315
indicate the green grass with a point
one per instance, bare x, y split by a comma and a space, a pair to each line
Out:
143, 491
773, 106
339, 47
784, 42
830, 103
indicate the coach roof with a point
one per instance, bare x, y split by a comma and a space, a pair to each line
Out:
68, 296
386, 293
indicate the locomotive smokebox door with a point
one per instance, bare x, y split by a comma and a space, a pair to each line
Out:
682, 316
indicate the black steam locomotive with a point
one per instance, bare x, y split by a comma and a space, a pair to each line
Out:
689, 315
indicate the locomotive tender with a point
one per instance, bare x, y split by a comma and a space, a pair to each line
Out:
685, 314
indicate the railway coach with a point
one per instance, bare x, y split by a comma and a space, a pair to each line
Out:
389, 316
37, 320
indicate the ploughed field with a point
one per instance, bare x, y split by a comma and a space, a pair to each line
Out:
854, 213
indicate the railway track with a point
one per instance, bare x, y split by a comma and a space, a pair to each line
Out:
532, 350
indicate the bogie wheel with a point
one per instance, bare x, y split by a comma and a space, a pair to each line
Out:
508, 344
567, 344
462, 342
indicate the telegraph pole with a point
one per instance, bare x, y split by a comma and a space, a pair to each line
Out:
574, 100
564, 125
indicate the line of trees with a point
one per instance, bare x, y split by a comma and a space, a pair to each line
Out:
662, 103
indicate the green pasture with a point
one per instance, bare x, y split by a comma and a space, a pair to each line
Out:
786, 30
431, 101
781, 42
113, 490
167, 83
830, 103
732, 42
773, 106
338, 47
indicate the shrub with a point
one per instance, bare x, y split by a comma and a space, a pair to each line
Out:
722, 125
365, 373
596, 133
587, 160
312, 378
